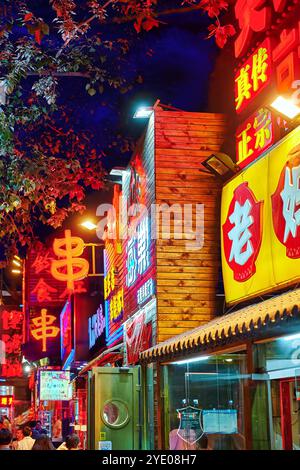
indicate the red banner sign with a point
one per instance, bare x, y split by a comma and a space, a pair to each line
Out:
254, 136
254, 75
138, 337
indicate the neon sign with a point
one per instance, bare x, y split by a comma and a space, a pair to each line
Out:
71, 268
145, 292
116, 306
6, 400
109, 282
42, 328
11, 339
138, 252
253, 76
96, 326
254, 137
254, 16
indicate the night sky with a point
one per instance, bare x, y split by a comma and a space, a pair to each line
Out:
174, 61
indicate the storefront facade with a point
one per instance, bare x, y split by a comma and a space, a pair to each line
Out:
240, 373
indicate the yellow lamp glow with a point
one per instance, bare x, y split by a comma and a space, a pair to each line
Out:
286, 107
89, 225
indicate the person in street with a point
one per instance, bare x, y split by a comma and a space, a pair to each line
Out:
5, 439
6, 422
27, 442
57, 429
19, 437
43, 443
38, 430
72, 442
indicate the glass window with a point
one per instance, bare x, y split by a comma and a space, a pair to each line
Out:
203, 403
275, 401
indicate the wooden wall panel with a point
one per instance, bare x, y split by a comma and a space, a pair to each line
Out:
187, 279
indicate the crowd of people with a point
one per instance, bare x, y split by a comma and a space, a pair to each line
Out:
32, 438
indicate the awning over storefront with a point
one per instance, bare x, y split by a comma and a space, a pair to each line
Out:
250, 319
109, 355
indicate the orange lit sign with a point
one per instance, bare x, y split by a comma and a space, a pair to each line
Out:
43, 291
254, 75
71, 267
42, 328
260, 220
254, 136
6, 400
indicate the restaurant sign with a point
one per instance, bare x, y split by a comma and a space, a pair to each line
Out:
260, 220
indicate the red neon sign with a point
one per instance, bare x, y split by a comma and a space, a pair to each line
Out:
6, 400
254, 16
254, 136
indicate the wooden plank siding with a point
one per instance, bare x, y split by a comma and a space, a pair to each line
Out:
186, 279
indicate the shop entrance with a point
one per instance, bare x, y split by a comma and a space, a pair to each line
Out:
114, 408
286, 419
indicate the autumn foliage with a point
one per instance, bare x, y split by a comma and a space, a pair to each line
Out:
46, 168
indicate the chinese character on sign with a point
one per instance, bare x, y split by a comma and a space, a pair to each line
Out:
131, 262
42, 262
244, 139
143, 246
286, 206
243, 86
259, 68
71, 268
12, 320
291, 200
12, 343
253, 16
79, 288
116, 306
109, 282
43, 291
263, 129
254, 137
241, 248
145, 291
253, 76
12, 368
43, 328
242, 233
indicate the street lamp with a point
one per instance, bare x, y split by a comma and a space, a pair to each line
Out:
220, 164
88, 224
144, 112
18, 263
286, 107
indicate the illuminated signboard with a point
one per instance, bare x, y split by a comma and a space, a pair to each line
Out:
96, 327
260, 219
67, 334
109, 282
138, 252
255, 16
138, 332
43, 328
114, 296
70, 267
6, 400
254, 136
146, 291
253, 76
55, 385
11, 340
